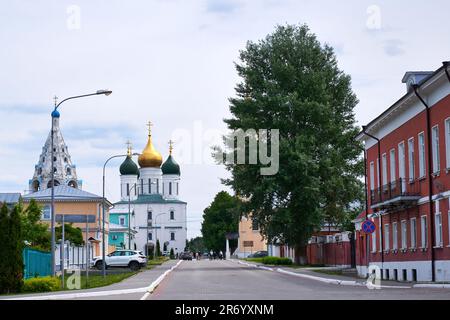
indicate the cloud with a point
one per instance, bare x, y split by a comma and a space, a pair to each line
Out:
25, 109
393, 47
221, 6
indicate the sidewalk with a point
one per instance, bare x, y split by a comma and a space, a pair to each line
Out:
133, 287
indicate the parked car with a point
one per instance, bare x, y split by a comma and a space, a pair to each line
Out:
122, 258
186, 256
258, 254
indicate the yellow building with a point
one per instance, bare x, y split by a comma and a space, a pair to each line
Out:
70, 201
250, 238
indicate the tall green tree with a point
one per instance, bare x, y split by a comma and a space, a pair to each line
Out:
4, 249
72, 234
35, 233
196, 245
220, 218
291, 82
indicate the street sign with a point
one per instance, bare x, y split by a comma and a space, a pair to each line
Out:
248, 243
74, 218
368, 227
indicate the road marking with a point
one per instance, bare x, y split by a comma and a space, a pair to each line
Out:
155, 283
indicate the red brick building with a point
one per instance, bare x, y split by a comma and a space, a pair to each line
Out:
407, 155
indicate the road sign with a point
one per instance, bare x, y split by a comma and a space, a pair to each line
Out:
368, 226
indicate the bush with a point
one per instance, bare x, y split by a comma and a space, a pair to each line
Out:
172, 254
277, 261
44, 284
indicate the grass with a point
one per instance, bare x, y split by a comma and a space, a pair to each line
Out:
97, 280
156, 262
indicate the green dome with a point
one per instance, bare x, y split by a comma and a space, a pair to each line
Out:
170, 166
128, 167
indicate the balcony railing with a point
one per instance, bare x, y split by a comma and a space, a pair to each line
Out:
401, 189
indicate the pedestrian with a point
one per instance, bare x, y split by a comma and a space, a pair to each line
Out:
220, 255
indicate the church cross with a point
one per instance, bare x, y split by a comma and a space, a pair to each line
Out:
55, 98
170, 146
129, 147
149, 125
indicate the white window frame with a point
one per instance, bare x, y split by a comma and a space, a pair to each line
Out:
392, 166
422, 153
384, 169
423, 232
411, 162
435, 149
386, 237
401, 161
404, 234
413, 227
438, 226
380, 243
447, 142
394, 236
374, 242
372, 176
120, 220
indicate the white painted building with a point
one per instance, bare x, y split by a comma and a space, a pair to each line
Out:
151, 195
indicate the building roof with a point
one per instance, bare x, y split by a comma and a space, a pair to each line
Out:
64, 193
9, 198
151, 198
436, 74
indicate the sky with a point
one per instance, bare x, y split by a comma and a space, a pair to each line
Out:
173, 62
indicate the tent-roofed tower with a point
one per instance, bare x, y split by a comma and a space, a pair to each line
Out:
65, 170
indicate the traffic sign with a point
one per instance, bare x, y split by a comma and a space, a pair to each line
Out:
368, 226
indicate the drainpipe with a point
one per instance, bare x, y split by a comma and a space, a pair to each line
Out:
430, 181
364, 128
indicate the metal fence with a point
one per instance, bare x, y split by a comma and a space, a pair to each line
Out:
74, 257
36, 263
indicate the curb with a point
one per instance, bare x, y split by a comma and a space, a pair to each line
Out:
328, 280
155, 283
432, 285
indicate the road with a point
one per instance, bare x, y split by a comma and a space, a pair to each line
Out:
222, 280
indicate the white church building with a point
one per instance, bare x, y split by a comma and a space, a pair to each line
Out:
150, 196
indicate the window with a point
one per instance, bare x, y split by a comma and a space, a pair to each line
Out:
401, 161
150, 236
413, 232
404, 235
384, 165
438, 223
149, 185
379, 235
172, 236
386, 237
128, 189
435, 151
149, 215
423, 231
421, 155
122, 220
392, 164
172, 215
411, 158
142, 186
374, 242
170, 188
46, 213
255, 225
157, 185
135, 189
177, 188
394, 236
115, 237
372, 176
447, 141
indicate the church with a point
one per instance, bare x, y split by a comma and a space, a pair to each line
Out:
150, 201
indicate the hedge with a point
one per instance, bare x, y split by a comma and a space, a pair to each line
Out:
276, 261
43, 284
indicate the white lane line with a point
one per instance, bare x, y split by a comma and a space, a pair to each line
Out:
155, 283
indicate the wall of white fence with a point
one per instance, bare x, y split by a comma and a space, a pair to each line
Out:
74, 257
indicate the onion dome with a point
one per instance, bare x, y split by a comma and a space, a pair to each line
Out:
128, 166
55, 114
170, 166
150, 157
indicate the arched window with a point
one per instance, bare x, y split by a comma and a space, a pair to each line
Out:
35, 186
49, 184
73, 184
170, 188
69, 172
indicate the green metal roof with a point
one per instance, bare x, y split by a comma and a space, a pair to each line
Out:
170, 166
150, 198
128, 167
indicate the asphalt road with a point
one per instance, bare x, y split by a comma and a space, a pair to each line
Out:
223, 280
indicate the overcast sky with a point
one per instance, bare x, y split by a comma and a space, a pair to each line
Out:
172, 62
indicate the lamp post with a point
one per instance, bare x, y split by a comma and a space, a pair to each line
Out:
156, 233
103, 213
54, 115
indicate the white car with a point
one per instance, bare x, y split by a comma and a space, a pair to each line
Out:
121, 258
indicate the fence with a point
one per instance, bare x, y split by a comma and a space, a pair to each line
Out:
74, 257
36, 263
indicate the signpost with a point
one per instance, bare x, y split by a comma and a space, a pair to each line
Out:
368, 227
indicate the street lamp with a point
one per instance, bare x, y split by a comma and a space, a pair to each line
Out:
54, 115
156, 233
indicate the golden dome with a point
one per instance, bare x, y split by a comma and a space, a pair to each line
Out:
150, 158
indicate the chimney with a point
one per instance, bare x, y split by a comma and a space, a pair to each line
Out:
415, 77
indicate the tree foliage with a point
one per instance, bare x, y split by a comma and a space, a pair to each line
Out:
291, 82
35, 233
72, 234
196, 245
220, 218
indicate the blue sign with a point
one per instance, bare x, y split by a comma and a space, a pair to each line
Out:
368, 227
